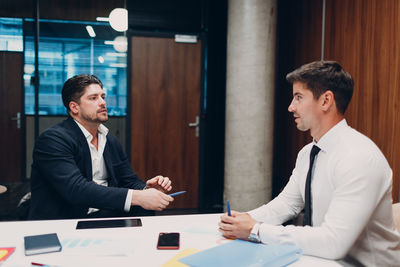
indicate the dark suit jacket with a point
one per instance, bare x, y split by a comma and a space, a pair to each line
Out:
61, 178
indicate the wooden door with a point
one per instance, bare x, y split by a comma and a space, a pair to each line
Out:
364, 36
165, 99
11, 113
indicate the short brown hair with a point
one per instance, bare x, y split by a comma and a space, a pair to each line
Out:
321, 76
74, 88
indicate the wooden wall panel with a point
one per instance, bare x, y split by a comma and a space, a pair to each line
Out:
11, 93
299, 42
363, 35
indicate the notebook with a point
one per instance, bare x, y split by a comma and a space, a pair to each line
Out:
38, 244
243, 253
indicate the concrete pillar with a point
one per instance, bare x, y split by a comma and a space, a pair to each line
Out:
250, 102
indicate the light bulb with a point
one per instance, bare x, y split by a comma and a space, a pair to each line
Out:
119, 19
120, 44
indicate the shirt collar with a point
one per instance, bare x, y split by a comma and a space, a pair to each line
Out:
102, 130
328, 140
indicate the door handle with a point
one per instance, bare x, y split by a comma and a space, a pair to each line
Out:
196, 125
18, 119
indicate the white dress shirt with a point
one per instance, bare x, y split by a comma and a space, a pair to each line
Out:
99, 170
351, 193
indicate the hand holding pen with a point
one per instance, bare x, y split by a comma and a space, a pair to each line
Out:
235, 224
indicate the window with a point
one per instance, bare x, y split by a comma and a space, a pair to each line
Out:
65, 50
11, 34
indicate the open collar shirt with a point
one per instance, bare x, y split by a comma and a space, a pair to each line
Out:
351, 191
99, 170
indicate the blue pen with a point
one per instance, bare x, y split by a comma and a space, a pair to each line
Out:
177, 193
228, 208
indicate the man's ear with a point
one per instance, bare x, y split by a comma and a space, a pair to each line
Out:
327, 100
74, 107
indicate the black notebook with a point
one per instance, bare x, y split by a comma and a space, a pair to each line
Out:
38, 244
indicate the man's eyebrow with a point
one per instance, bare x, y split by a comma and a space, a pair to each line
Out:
95, 94
297, 93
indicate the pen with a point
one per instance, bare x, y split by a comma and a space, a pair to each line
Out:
41, 264
177, 193
228, 207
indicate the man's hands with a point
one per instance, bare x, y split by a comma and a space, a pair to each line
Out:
238, 225
160, 183
151, 199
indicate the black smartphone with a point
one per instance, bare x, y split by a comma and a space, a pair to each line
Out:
109, 223
168, 241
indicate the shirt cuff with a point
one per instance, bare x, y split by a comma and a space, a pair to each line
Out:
128, 200
274, 234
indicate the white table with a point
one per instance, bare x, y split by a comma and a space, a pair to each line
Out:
139, 243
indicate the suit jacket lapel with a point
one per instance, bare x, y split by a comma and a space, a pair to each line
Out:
82, 142
107, 159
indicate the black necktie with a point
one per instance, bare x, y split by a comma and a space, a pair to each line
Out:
308, 207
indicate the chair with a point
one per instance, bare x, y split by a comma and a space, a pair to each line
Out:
24, 205
396, 215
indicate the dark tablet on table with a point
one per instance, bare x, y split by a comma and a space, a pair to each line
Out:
109, 223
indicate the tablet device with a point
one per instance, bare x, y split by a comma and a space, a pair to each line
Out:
110, 223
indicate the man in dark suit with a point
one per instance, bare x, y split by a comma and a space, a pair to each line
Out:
79, 170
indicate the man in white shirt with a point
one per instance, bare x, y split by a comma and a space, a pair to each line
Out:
79, 170
349, 190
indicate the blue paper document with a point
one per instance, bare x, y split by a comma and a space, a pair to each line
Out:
243, 253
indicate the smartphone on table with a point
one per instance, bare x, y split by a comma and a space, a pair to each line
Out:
168, 241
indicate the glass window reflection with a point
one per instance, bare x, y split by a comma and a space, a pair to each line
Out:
66, 49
